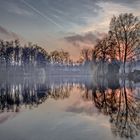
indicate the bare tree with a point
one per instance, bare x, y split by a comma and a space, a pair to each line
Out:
85, 54
60, 56
102, 49
126, 30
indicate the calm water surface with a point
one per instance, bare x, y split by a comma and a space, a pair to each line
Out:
66, 108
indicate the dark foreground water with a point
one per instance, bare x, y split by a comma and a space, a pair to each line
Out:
69, 108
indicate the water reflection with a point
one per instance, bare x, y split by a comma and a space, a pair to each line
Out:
122, 107
119, 100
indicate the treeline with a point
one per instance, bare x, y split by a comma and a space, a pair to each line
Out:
121, 44
12, 53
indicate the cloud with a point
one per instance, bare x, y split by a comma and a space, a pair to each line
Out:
87, 39
65, 13
15, 7
130, 3
41, 14
19, 11
102, 21
9, 35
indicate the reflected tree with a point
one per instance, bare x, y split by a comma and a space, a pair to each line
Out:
122, 106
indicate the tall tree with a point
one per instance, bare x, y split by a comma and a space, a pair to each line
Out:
85, 54
17, 52
126, 30
102, 48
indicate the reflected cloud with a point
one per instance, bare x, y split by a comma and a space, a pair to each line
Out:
82, 96
7, 116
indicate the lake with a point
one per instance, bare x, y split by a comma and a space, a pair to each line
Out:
69, 108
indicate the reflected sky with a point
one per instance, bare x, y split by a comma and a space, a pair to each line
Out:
69, 110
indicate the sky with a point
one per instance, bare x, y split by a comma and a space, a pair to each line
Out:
61, 24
